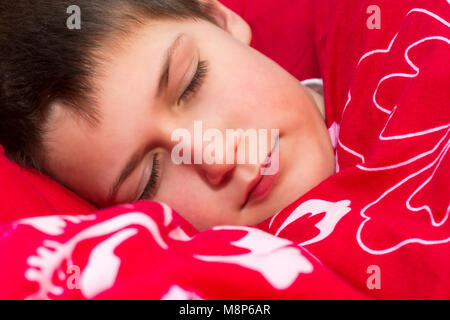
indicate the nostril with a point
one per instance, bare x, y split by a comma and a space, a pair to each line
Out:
220, 176
214, 179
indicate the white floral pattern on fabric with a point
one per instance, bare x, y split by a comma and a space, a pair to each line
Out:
275, 258
436, 152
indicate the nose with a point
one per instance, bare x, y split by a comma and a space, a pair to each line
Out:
210, 151
218, 173
221, 166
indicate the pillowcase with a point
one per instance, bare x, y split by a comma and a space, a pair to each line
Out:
283, 30
26, 192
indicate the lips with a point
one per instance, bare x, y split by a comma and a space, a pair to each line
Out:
261, 186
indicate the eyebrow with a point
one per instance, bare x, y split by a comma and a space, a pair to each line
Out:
137, 156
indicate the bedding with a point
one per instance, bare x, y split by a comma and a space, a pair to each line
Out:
379, 228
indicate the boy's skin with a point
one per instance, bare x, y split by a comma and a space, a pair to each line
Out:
242, 90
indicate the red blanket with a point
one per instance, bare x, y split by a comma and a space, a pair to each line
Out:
379, 228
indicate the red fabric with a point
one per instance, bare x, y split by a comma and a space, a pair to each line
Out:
379, 228
387, 94
145, 250
26, 193
284, 31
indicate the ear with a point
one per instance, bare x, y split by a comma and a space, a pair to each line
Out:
230, 21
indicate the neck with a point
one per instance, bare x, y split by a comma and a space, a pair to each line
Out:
318, 100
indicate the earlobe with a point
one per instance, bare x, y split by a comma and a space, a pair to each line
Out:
230, 21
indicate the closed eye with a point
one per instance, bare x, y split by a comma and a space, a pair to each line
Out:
196, 82
150, 188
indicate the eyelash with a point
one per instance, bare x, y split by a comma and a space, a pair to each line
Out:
197, 80
149, 190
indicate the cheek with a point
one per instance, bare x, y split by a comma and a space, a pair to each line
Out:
183, 190
244, 87
263, 95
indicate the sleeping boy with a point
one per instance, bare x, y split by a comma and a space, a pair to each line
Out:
95, 108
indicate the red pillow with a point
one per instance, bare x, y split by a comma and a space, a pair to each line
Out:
25, 193
282, 30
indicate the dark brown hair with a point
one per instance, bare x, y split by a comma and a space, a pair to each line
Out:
42, 60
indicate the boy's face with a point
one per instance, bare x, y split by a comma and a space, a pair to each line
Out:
241, 89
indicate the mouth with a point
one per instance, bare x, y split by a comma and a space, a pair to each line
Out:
263, 183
